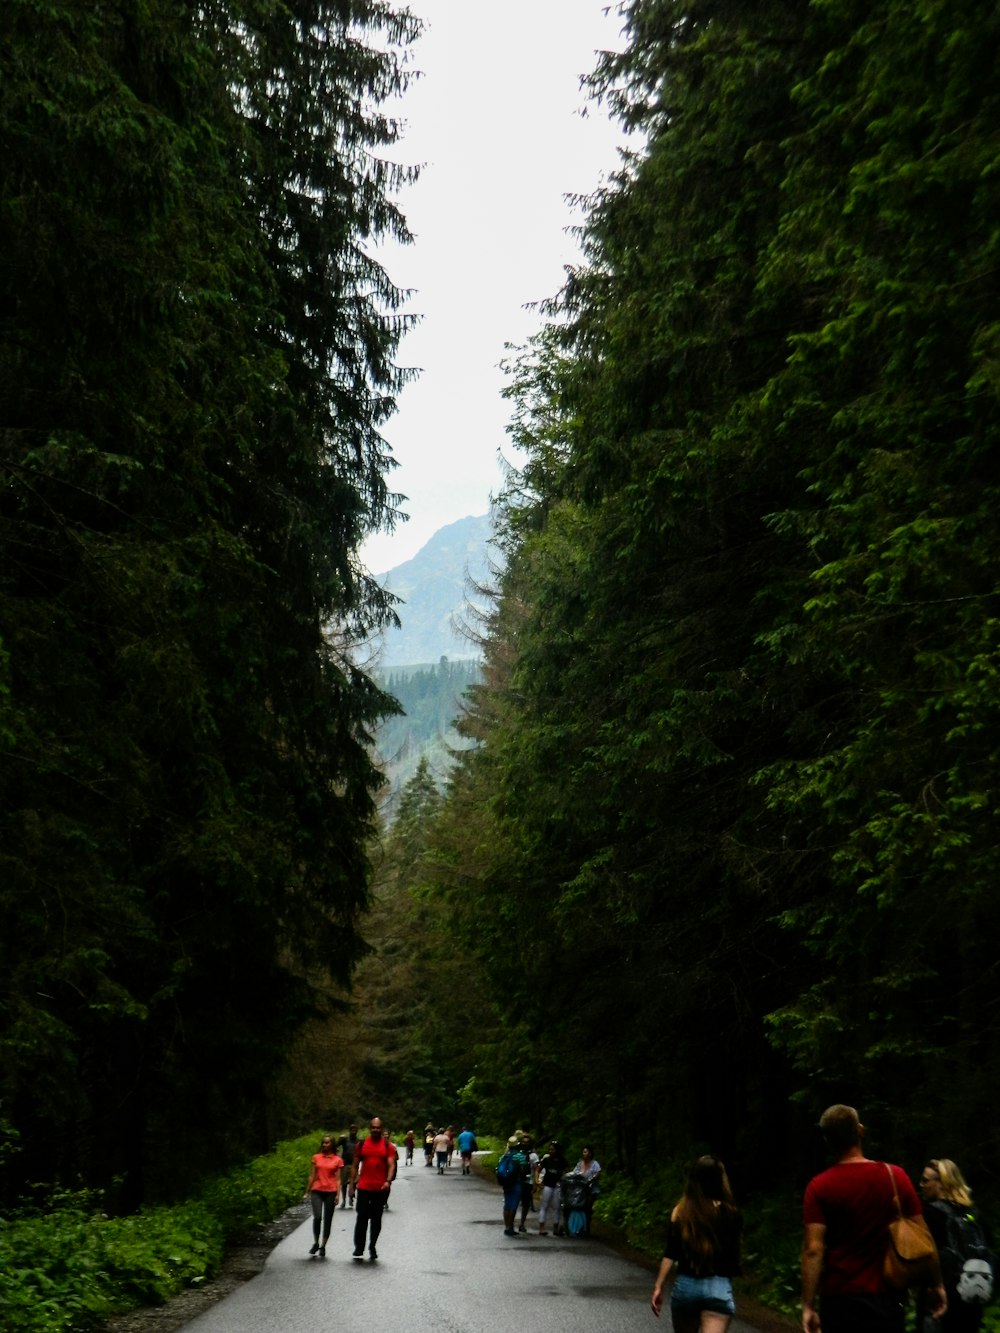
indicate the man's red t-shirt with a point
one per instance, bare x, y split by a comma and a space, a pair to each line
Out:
854, 1201
373, 1163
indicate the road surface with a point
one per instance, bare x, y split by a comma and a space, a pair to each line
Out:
444, 1266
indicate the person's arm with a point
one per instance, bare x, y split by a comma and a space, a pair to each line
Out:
813, 1251
390, 1174
661, 1278
935, 1297
355, 1160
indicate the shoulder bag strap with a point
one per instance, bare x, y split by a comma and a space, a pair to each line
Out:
895, 1189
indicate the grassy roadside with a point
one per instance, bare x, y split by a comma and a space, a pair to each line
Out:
70, 1267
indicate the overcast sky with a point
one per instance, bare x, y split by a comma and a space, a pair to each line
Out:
496, 123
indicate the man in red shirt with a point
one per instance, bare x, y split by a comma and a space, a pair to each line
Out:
372, 1172
847, 1211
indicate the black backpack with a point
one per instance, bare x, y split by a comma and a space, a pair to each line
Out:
968, 1264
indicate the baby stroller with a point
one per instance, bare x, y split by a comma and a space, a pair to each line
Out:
575, 1190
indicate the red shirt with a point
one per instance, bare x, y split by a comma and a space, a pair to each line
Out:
328, 1167
373, 1160
854, 1201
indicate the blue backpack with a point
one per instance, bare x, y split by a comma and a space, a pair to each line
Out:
509, 1171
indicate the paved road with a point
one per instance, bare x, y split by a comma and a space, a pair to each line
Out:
444, 1266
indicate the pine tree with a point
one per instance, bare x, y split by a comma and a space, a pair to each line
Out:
196, 363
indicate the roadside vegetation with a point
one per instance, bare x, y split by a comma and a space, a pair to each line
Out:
66, 1265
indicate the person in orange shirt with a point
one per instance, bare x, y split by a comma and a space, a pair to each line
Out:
322, 1191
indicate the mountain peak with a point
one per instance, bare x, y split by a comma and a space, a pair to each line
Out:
435, 594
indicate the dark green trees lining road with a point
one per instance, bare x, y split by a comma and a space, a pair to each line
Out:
736, 793
726, 847
195, 366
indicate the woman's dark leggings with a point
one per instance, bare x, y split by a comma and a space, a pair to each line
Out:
323, 1204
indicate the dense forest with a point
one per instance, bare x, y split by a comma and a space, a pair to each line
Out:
431, 700
197, 357
722, 847
726, 849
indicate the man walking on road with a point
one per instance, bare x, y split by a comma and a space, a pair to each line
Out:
346, 1144
847, 1211
372, 1172
467, 1145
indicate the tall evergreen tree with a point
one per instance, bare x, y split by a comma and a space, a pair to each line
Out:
197, 357
739, 717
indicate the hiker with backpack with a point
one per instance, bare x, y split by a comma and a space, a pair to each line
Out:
968, 1264
512, 1171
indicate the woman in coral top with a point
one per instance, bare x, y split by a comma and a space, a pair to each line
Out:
322, 1191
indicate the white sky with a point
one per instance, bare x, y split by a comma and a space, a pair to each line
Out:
496, 123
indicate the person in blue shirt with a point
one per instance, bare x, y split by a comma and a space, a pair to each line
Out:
467, 1145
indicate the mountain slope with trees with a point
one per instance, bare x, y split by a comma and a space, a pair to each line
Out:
431, 702
439, 592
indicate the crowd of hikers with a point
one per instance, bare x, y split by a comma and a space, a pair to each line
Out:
868, 1239
567, 1197
868, 1243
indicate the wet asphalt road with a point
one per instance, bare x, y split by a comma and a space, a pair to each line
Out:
444, 1266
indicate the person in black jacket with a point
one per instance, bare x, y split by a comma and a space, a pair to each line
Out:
946, 1194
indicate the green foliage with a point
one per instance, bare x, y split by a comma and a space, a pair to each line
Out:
639, 1209
772, 1250
196, 365
430, 700
71, 1267
417, 995
733, 811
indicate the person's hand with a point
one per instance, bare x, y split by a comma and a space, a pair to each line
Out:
937, 1301
810, 1320
657, 1301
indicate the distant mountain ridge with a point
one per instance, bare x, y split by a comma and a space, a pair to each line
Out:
435, 593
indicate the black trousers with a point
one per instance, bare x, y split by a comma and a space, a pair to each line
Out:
368, 1205
862, 1314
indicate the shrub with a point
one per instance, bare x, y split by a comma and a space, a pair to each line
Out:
73, 1267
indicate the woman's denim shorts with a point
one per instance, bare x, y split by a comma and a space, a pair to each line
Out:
714, 1294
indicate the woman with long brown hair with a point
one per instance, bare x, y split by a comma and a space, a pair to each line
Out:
703, 1243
